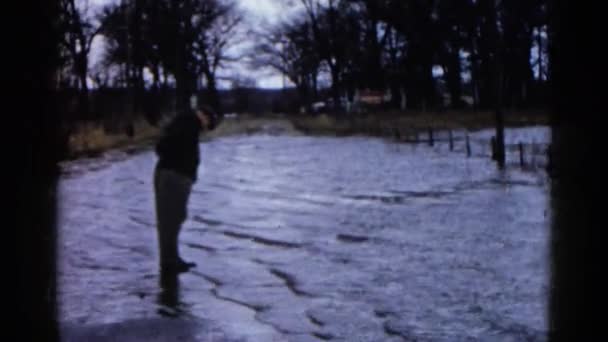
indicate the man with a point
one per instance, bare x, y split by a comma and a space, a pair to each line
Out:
174, 175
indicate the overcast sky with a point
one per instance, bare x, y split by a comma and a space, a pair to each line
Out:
257, 12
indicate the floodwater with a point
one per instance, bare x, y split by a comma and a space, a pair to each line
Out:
302, 238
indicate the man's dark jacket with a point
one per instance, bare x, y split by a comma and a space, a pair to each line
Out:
178, 146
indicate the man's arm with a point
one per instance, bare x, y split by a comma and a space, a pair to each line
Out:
177, 147
171, 136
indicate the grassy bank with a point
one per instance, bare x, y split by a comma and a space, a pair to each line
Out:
387, 124
91, 139
245, 124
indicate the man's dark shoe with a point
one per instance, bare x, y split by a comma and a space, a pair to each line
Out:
185, 263
177, 267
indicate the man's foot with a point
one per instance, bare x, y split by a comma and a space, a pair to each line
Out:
178, 266
185, 263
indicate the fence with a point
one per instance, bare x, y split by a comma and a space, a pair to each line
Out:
527, 153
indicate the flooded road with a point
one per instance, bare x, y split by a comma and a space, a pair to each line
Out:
309, 239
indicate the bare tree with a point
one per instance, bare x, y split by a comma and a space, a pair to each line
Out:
189, 40
334, 37
289, 48
217, 30
79, 27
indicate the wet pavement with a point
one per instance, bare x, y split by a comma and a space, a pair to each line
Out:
308, 239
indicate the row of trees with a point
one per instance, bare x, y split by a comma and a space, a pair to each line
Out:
403, 45
180, 43
493, 50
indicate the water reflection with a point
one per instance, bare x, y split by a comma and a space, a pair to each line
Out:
169, 295
430, 236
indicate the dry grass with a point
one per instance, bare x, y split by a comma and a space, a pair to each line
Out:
247, 124
90, 138
411, 122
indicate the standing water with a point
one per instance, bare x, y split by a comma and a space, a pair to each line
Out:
308, 239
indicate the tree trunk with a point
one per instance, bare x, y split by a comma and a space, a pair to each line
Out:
475, 78
539, 42
82, 67
165, 81
335, 86
183, 82
486, 45
498, 87
428, 83
454, 79
315, 88
213, 97
155, 77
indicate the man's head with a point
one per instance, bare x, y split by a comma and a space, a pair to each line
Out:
209, 118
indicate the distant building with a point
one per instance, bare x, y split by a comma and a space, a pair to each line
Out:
371, 97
